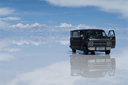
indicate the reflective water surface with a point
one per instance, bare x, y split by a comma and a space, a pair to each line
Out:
34, 61
92, 66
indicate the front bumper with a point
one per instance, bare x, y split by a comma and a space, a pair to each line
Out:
99, 48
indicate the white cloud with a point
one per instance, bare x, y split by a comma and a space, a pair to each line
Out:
114, 6
3, 43
83, 26
40, 34
6, 11
5, 57
65, 25
4, 25
20, 25
10, 49
10, 18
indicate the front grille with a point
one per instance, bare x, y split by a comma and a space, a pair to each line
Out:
99, 44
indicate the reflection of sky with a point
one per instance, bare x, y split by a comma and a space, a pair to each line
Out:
25, 60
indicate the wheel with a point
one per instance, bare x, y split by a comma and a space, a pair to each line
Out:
92, 52
85, 50
74, 51
107, 52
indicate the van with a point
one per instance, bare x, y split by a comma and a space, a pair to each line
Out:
91, 40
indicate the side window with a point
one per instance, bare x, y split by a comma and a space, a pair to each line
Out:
76, 34
103, 34
111, 33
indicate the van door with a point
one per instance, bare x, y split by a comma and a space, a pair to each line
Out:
75, 40
111, 35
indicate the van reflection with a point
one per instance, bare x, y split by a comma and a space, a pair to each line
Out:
92, 66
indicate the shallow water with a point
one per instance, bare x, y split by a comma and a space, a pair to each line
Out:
34, 61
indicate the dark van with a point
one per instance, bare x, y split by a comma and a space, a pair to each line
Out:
91, 40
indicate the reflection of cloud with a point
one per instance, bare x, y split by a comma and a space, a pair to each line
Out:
59, 74
122, 59
5, 57
35, 40
55, 74
63, 42
114, 6
3, 46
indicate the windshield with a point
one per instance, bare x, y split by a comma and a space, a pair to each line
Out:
96, 33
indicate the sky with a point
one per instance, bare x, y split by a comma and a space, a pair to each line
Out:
35, 34
57, 16
100, 13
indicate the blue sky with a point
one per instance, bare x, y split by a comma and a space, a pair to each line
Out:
54, 12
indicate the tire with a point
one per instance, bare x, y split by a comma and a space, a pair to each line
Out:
92, 52
85, 50
74, 51
107, 52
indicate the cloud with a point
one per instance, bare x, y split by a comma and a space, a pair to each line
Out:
20, 25
42, 27
10, 49
5, 57
37, 34
4, 25
3, 43
6, 11
10, 18
65, 25
83, 26
113, 6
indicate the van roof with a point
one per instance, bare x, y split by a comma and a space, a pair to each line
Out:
86, 29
